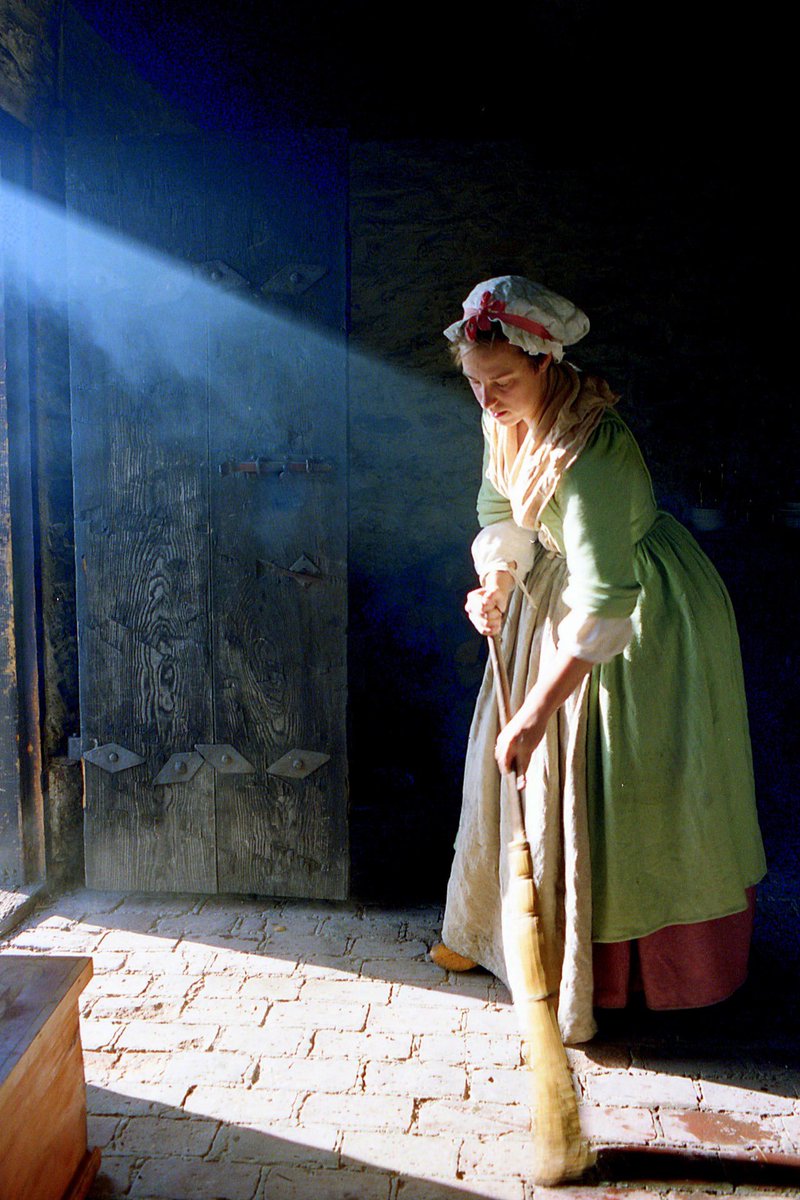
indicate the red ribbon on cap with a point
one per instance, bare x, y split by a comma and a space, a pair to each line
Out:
495, 310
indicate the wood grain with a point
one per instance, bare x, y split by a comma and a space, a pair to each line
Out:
184, 637
141, 518
11, 872
277, 386
42, 1089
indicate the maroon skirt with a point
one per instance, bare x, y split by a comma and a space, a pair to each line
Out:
680, 966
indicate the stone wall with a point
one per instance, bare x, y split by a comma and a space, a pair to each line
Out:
675, 269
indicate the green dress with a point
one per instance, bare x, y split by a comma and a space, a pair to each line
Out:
651, 758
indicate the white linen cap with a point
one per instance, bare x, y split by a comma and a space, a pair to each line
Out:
532, 317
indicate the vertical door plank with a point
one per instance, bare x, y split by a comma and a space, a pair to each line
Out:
139, 394
11, 855
277, 388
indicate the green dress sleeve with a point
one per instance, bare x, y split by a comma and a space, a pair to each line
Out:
594, 505
492, 506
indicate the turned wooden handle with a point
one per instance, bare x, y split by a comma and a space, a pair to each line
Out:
502, 692
501, 686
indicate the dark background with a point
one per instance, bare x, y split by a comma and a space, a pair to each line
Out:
636, 158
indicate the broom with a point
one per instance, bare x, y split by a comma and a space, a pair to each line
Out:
560, 1150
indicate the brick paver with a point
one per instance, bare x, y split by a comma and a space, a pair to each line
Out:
252, 1049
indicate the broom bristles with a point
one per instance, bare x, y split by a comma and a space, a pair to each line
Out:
560, 1151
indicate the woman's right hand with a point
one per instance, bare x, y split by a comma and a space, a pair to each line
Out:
486, 606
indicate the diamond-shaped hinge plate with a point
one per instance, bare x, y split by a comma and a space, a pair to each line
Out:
305, 566
222, 275
226, 759
179, 768
297, 764
112, 758
294, 279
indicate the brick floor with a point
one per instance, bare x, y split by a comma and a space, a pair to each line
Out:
248, 1049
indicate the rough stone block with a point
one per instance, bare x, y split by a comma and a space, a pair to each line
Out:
120, 983
508, 1155
165, 1137
722, 1130
270, 988
221, 1067
405, 994
132, 1008
373, 947
372, 1047
114, 1177
276, 1145
299, 1184
500, 1086
388, 1019
100, 1035
410, 970
183, 1179
613, 1126
347, 991
302, 946
101, 1130
273, 1041
307, 1074
430, 1157
166, 1035
487, 1189
641, 1089
467, 1116
723, 1097
498, 1020
320, 1015
126, 941
415, 1079
235, 1010
358, 1112
240, 1106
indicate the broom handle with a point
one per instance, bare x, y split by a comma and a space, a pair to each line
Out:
560, 1150
502, 693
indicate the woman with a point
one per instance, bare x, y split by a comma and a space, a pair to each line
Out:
630, 735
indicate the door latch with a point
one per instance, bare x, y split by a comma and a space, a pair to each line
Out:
276, 466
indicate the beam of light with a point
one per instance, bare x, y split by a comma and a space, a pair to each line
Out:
143, 323
146, 319
143, 312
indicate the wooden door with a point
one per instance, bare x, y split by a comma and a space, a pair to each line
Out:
208, 391
21, 809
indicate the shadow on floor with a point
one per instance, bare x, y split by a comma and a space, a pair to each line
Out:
749, 1040
190, 1155
186, 1155
756, 1026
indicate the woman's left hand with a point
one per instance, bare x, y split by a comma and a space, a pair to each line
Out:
515, 745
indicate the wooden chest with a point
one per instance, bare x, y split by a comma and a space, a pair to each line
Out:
43, 1151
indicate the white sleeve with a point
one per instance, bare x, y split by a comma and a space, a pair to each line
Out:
500, 544
594, 639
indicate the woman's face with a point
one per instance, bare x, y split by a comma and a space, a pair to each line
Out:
506, 382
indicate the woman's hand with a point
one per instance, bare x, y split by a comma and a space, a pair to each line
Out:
516, 743
486, 606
